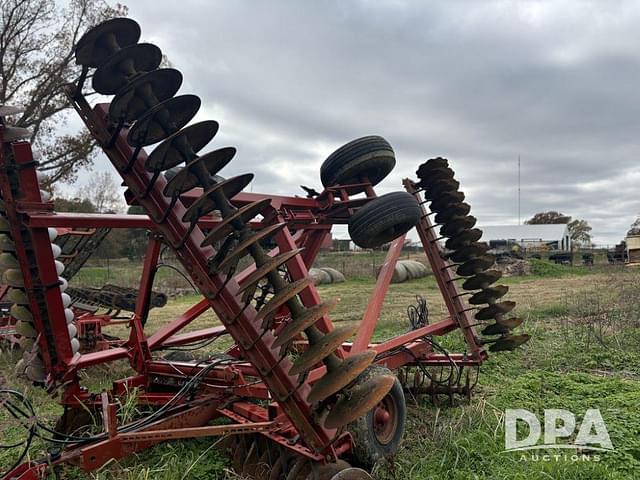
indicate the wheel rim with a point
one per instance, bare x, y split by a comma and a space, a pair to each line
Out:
385, 420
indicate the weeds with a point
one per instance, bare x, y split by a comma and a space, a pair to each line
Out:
583, 354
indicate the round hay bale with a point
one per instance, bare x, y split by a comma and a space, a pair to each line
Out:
319, 276
400, 273
419, 268
336, 276
413, 270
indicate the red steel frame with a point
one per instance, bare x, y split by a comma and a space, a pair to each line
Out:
288, 413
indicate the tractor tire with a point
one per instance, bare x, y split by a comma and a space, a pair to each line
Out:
374, 440
370, 158
336, 276
384, 219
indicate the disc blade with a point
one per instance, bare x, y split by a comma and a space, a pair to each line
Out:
462, 239
299, 324
457, 225
163, 120
352, 473
252, 280
206, 203
225, 227
359, 401
340, 377
445, 201
489, 295
469, 252
482, 280
240, 250
456, 210
492, 311
97, 44
120, 67
170, 153
502, 327
144, 92
441, 187
318, 351
186, 179
431, 164
475, 266
433, 175
280, 298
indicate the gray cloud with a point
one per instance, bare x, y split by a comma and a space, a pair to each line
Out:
478, 82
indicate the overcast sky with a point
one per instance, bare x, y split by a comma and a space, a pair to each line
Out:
480, 83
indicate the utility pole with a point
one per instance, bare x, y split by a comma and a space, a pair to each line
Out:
519, 219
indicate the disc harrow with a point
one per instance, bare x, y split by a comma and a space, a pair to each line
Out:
301, 397
32, 272
436, 180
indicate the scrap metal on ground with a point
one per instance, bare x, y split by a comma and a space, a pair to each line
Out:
300, 398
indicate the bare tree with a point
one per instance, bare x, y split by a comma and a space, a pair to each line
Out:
102, 192
36, 60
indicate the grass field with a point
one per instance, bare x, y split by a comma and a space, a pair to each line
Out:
585, 353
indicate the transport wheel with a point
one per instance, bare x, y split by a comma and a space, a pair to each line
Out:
364, 159
384, 219
378, 433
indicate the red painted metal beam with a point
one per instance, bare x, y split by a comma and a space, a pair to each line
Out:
374, 306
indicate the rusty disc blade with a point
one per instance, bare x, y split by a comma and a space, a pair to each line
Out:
469, 252
252, 280
244, 214
432, 175
163, 120
144, 92
457, 225
240, 250
442, 187
482, 280
186, 179
475, 266
445, 201
509, 342
206, 204
318, 351
171, 152
455, 210
491, 311
299, 324
97, 44
335, 380
282, 297
502, 327
463, 239
328, 471
120, 67
431, 164
359, 400
352, 473
489, 295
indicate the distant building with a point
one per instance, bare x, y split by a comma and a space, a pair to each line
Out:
633, 248
553, 236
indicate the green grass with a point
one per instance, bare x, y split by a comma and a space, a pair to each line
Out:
584, 354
